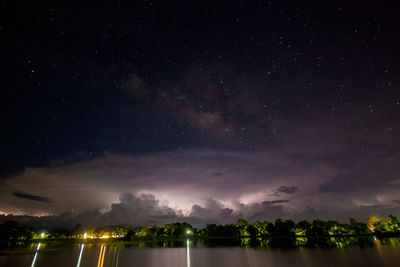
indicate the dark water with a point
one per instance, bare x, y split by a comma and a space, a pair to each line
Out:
385, 252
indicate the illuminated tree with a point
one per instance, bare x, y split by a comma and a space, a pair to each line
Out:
259, 226
385, 226
373, 219
304, 226
242, 227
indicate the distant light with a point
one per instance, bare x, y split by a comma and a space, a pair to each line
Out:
42, 235
85, 235
188, 232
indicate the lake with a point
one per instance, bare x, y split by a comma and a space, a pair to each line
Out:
185, 253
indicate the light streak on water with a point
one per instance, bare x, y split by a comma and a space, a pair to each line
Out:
115, 257
80, 256
116, 263
101, 256
187, 253
34, 258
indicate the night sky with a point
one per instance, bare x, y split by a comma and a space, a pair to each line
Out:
206, 112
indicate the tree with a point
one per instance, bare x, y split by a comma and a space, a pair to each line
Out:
394, 219
372, 220
358, 227
260, 227
242, 227
251, 230
10, 231
121, 231
305, 226
319, 228
242, 223
282, 228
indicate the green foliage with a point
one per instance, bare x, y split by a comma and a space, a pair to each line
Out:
394, 219
241, 225
242, 222
383, 225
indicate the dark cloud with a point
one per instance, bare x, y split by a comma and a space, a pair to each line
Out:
142, 209
131, 209
265, 210
286, 190
279, 201
213, 212
145, 209
24, 195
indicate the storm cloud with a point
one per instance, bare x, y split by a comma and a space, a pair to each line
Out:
291, 176
146, 209
21, 194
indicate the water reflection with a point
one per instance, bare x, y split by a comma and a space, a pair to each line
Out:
115, 258
187, 253
101, 256
34, 258
291, 243
80, 256
211, 252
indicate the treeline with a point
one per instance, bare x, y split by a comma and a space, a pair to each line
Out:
286, 228
12, 232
